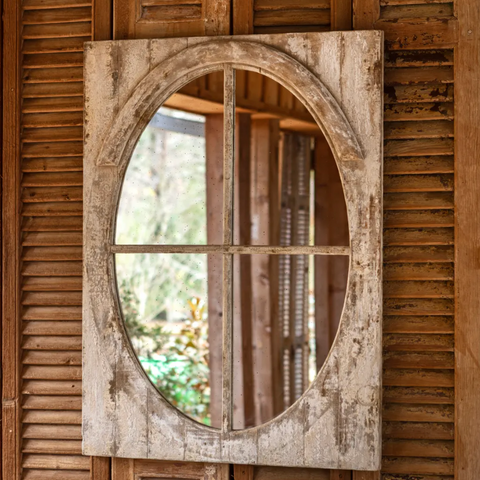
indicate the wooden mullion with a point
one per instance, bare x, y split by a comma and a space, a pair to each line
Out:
228, 205
235, 249
11, 101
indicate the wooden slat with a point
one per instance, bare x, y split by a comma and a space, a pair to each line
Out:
52, 328
56, 475
33, 372
410, 130
52, 224
49, 90
45, 284
418, 236
409, 76
418, 378
52, 60
44, 269
436, 360
418, 325
403, 33
33, 357
67, 134
416, 58
52, 298
63, 16
57, 31
54, 4
418, 448
418, 430
52, 313
66, 447
419, 93
431, 254
418, 218
48, 432
418, 111
419, 147
419, 342
51, 402
56, 462
418, 165
418, 290
437, 10
67, 179
419, 395
52, 343
62, 119
53, 104
418, 271
62, 194
67, 209
66, 164
51, 387
429, 466
418, 201
418, 183
274, 18
290, 4
52, 417
53, 75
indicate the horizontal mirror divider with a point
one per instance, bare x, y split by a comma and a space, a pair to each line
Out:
234, 249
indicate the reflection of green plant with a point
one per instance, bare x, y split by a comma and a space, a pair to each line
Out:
175, 361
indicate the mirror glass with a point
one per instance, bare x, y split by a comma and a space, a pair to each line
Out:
287, 192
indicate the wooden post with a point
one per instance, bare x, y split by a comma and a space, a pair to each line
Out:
264, 134
245, 277
322, 304
242, 17
467, 242
214, 174
10, 332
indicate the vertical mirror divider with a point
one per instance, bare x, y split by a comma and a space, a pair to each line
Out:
228, 197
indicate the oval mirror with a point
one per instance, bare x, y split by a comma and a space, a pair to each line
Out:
287, 193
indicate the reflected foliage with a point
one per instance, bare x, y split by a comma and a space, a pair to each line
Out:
176, 361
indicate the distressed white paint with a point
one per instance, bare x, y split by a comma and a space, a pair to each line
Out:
336, 424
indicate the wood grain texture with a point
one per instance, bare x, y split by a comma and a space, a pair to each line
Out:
360, 171
467, 333
156, 19
10, 336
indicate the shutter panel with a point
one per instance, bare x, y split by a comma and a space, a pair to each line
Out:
170, 18
52, 140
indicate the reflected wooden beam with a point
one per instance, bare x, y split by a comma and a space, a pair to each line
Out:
245, 274
265, 134
331, 227
214, 183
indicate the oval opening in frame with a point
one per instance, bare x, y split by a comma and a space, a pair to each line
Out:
287, 193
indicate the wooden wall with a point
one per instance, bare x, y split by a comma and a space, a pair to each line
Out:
42, 308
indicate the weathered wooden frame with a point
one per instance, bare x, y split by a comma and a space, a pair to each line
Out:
338, 76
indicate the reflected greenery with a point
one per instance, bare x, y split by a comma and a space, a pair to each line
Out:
163, 296
175, 361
